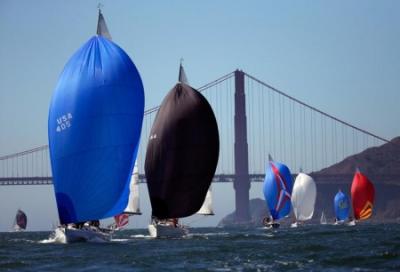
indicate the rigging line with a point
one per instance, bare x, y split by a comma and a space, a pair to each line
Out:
321, 112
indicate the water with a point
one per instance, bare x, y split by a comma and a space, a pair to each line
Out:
318, 247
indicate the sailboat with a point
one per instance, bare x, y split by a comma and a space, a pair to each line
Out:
20, 221
133, 207
94, 126
278, 185
181, 158
362, 196
341, 204
207, 207
322, 220
303, 198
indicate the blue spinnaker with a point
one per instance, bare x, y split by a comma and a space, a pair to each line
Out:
342, 206
278, 185
94, 126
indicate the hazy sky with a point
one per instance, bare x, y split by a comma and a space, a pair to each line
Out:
341, 56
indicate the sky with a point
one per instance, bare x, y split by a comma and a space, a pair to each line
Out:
342, 57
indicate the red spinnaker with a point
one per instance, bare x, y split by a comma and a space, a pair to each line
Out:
362, 196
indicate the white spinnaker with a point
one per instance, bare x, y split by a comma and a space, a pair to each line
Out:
303, 197
207, 208
133, 202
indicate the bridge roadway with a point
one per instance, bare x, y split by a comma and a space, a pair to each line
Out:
339, 179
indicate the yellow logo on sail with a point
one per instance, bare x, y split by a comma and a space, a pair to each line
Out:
366, 212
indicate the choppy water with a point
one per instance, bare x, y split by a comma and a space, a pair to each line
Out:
333, 248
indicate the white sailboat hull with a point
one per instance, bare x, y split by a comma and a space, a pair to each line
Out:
167, 231
85, 234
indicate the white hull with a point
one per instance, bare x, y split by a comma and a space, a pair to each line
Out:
85, 234
167, 231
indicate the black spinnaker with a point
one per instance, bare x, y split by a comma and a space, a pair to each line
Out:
182, 153
20, 220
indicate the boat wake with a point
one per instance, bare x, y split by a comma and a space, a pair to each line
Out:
206, 235
56, 237
141, 236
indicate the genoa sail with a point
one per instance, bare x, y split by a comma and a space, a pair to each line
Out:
278, 185
362, 196
207, 207
94, 125
133, 202
182, 153
342, 206
20, 220
303, 197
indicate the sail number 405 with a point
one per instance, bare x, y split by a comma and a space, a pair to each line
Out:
64, 122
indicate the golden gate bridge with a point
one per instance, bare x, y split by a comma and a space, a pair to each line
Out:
254, 120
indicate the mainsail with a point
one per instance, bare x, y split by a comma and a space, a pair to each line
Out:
133, 202
303, 197
20, 220
277, 189
102, 29
182, 75
342, 206
362, 196
94, 125
182, 153
207, 207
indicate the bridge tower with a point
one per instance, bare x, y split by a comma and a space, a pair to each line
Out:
242, 181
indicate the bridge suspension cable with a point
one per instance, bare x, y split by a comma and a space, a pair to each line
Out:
317, 110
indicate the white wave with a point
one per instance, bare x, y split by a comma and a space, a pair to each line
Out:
141, 236
56, 237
